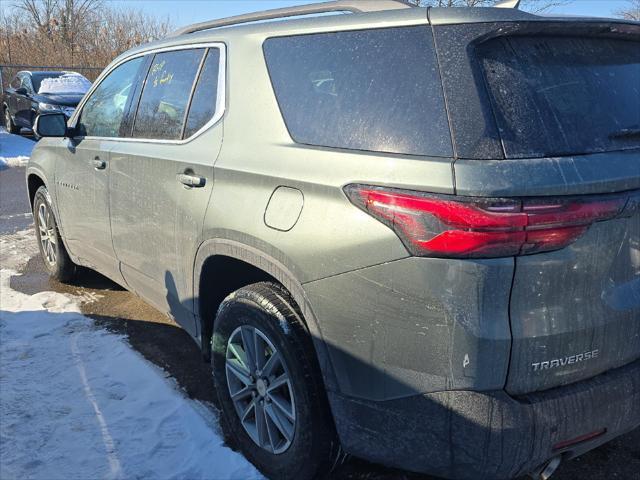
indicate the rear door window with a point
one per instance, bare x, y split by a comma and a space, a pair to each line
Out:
375, 90
204, 103
555, 96
165, 95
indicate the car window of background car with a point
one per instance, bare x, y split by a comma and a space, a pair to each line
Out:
203, 103
166, 93
65, 84
15, 83
26, 83
103, 112
37, 78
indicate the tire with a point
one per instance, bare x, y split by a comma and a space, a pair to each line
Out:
8, 123
267, 310
52, 249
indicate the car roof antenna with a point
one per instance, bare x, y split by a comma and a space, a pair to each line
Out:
508, 4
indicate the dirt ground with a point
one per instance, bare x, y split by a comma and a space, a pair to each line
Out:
166, 345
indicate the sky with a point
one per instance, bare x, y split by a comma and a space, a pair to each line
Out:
182, 12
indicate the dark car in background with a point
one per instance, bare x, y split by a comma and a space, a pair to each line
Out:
32, 93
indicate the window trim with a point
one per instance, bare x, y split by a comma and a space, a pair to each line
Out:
220, 96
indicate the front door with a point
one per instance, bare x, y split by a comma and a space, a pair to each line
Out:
82, 190
162, 178
83, 169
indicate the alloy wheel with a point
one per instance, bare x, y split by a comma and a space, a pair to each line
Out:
47, 230
260, 389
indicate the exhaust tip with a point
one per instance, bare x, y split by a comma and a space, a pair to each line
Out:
547, 470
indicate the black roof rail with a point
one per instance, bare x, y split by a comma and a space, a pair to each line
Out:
353, 6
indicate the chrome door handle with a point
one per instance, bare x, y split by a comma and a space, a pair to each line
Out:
191, 180
98, 164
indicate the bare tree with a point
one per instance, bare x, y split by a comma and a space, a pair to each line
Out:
532, 5
631, 11
73, 33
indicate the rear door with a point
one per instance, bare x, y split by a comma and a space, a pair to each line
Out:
162, 176
566, 108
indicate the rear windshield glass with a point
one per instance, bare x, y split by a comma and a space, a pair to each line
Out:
376, 90
555, 96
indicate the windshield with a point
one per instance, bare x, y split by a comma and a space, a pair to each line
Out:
555, 96
60, 83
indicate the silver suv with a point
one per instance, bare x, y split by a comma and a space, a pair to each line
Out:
410, 235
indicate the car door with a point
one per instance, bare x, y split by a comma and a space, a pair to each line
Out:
161, 178
24, 102
82, 171
14, 100
10, 94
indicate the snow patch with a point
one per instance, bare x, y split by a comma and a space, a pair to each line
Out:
77, 402
14, 150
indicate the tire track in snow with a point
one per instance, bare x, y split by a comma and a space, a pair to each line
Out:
109, 444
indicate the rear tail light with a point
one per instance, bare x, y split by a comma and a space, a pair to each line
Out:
469, 227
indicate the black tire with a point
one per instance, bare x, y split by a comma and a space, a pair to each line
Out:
62, 267
314, 448
8, 122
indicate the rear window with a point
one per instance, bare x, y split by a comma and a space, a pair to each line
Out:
375, 90
555, 96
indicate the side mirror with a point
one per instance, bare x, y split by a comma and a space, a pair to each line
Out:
51, 125
21, 91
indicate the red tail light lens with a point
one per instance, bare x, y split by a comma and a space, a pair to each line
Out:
466, 227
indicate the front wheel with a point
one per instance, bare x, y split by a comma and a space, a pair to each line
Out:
53, 252
273, 402
8, 122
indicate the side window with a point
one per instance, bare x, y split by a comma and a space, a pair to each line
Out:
103, 112
205, 96
375, 90
26, 83
16, 82
165, 96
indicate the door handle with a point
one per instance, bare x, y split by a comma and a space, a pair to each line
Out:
98, 164
191, 180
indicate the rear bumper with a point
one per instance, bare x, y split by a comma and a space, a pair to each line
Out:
475, 435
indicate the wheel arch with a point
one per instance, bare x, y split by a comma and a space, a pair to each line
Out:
240, 265
35, 179
34, 182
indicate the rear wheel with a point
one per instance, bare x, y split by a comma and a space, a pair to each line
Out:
8, 122
53, 252
273, 402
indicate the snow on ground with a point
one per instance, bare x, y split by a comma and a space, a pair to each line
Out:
76, 402
14, 149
